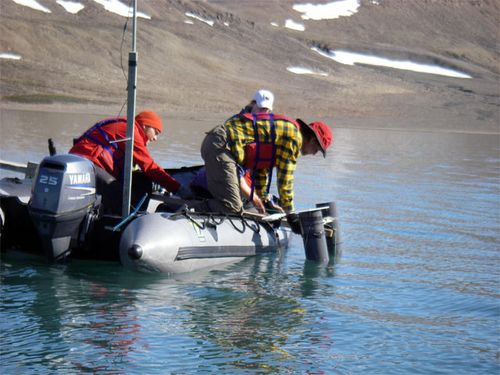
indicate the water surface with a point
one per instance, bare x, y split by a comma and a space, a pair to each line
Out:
415, 291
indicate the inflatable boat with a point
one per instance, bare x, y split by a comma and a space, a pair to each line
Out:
55, 210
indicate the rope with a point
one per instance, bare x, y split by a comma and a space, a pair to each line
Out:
201, 226
234, 226
131, 216
257, 226
214, 221
210, 220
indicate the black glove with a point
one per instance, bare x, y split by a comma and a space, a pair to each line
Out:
294, 222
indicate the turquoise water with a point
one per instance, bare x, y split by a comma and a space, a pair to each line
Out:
416, 290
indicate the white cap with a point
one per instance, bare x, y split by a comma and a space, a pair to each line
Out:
264, 99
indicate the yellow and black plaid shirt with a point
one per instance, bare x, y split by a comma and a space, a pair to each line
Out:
288, 144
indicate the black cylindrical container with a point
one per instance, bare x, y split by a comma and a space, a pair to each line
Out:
332, 233
313, 236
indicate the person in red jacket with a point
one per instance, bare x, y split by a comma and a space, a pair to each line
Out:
104, 145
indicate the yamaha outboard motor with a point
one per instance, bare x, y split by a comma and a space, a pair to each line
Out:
63, 196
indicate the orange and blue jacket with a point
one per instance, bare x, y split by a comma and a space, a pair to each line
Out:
98, 144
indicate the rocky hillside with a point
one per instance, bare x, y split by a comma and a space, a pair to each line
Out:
77, 60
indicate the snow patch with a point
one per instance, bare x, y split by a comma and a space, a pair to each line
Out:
350, 58
290, 24
117, 7
328, 11
71, 6
196, 17
9, 55
301, 70
33, 4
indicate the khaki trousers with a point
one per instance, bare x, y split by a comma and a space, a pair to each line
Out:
222, 173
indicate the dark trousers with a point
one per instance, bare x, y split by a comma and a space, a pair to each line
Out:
111, 190
222, 174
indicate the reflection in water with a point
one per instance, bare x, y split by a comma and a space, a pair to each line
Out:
99, 318
114, 328
78, 324
312, 275
251, 315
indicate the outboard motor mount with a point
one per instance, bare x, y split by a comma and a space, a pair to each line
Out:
63, 195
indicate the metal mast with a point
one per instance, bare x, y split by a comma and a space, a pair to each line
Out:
131, 101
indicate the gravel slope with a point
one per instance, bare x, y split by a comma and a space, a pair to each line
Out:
74, 62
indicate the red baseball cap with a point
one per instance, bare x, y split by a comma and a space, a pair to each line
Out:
323, 133
151, 119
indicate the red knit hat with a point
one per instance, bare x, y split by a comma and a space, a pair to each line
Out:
323, 133
151, 119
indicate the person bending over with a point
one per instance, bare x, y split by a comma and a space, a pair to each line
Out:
259, 141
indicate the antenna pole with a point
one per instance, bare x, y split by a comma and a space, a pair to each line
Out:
131, 101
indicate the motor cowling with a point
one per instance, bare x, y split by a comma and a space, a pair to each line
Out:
63, 195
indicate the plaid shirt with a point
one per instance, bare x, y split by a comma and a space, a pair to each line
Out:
288, 144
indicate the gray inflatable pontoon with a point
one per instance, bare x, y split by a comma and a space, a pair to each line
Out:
190, 241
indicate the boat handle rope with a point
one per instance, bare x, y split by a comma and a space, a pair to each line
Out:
257, 226
201, 226
214, 221
255, 229
210, 220
242, 230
